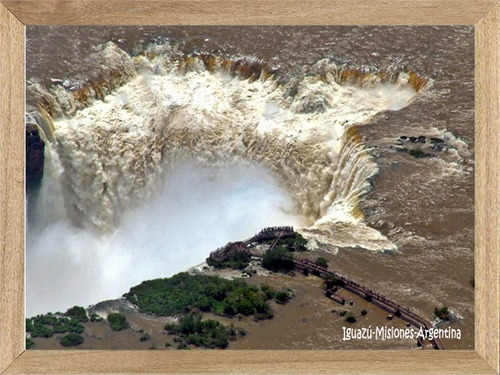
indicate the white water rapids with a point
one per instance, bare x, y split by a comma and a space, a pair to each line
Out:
181, 160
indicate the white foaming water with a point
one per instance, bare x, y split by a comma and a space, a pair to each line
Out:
117, 207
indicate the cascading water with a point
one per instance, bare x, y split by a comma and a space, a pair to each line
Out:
279, 153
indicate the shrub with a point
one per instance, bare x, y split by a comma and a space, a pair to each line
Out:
442, 313
192, 330
278, 259
281, 297
42, 331
71, 339
29, 343
238, 260
117, 321
245, 307
29, 325
322, 262
49, 324
96, 318
77, 313
268, 290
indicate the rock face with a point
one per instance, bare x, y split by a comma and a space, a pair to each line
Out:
35, 147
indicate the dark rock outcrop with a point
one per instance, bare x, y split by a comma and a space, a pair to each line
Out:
35, 147
416, 153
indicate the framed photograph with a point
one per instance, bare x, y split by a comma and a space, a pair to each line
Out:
312, 183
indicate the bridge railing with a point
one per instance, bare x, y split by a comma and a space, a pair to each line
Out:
382, 301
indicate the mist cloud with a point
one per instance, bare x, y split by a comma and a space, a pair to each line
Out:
197, 210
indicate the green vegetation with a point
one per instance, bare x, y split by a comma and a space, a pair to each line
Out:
192, 330
296, 243
278, 259
117, 321
442, 313
283, 297
268, 291
96, 318
238, 260
49, 324
72, 339
29, 343
183, 293
322, 262
77, 313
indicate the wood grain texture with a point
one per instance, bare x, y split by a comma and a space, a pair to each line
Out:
256, 12
287, 12
11, 187
250, 362
487, 241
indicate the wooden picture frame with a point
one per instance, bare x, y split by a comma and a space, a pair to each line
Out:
483, 14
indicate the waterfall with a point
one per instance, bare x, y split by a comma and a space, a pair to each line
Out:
114, 148
115, 144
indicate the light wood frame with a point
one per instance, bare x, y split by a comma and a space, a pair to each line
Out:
483, 14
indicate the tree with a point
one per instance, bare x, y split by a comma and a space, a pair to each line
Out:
77, 313
278, 259
281, 297
117, 321
72, 339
